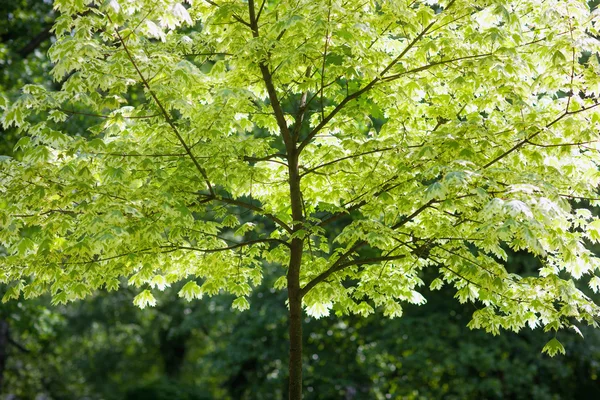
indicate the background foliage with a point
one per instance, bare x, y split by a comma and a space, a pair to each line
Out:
106, 348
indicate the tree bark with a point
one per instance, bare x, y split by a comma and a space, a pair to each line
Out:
295, 332
293, 279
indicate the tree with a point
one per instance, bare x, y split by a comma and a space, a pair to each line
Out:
370, 140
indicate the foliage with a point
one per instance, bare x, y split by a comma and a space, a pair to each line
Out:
164, 391
24, 35
436, 136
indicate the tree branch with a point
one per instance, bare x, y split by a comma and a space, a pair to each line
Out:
339, 264
390, 78
36, 41
260, 10
271, 91
301, 110
164, 112
562, 144
140, 251
266, 158
405, 220
441, 265
206, 54
386, 188
175, 155
579, 197
249, 207
234, 246
52, 211
18, 345
369, 86
236, 17
309, 170
173, 248
105, 116
527, 140
324, 275
325, 59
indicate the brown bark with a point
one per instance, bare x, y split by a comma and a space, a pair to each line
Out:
295, 332
293, 279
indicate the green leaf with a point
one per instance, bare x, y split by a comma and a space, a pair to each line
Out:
240, 304
191, 291
435, 191
436, 284
13, 292
392, 309
593, 231
595, 284
558, 58
144, 299
553, 347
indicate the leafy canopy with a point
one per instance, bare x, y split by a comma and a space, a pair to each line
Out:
424, 133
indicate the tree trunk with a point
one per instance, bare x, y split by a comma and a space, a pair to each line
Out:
295, 332
293, 279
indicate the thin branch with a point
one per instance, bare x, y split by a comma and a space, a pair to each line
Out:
475, 283
280, 241
561, 144
339, 264
332, 269
36, 41
248, 207
405, 220
19, 346
140, 251
453, 21
173, 248
164, 112
324, 59
579, 197
235, 16
207, 54
381, 34
441, 265
270, 157
572, 68
260, 10
390, 78
140, 23
299, 118
235, 246
73, 112
324, 275
386, 187
369, 86
471, 262
526, 140
52, 211
309, 170
271, 91
373, 260
176, 155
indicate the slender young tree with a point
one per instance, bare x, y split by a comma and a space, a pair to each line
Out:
368, 140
